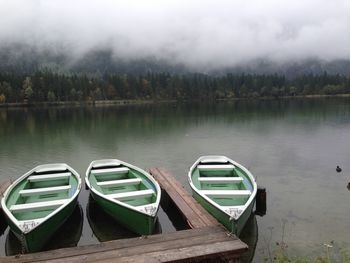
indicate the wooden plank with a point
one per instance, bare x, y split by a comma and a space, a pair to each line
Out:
49, 177
197, 208
145, 248
194, 213
37, 206
187, 254
226, 193
218, 180
118, 170
3, 186
133, 181
182, 253
215, 167
179, 197
214, 160
206, 241
132, 194
115, 245
45, 190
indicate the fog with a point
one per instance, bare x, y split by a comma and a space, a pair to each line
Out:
197, 34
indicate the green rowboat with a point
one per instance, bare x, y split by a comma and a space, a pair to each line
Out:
125, 192
73, 225
39, 202
225, 189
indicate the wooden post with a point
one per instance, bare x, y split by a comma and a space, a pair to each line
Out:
260, 201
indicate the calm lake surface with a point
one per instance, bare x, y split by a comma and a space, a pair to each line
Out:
292, 147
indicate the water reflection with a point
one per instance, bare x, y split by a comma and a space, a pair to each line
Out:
104, 227
68, 235
160, 118
249, 236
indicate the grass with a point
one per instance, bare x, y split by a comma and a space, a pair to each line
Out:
331, 252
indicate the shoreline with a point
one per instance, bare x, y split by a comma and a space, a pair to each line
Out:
82, 103
149, 102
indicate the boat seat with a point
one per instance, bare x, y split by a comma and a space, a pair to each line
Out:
38, 206
119, 170
136, 194
216, 167
46, 190
48, 177
214, 160
226, 193
50, 168
218, 180
123, 182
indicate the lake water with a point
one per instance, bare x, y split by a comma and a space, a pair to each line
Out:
292, 147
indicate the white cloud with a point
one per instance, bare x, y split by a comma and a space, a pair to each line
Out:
199, 34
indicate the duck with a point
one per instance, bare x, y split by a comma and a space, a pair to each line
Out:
338, 169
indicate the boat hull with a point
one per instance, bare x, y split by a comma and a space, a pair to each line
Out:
36, 239
137, 222
234, 226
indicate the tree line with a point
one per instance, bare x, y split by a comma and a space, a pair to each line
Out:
47, 86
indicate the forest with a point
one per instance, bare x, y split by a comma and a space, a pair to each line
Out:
48, 86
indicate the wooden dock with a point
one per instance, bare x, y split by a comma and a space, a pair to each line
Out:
205, 241
172, 191
3, 187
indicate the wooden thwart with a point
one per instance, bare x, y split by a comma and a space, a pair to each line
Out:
38, 206
218, 167
45, 190
226, 193
118, 170
222, 180
123, 182
132, 194
47, 177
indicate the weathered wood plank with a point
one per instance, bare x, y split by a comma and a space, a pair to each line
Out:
186, 254
179, 197
198, 209
3, 186
118, 244
158, 248
195, 214
211, 241
186, 211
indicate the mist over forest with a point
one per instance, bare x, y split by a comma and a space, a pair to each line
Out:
211, 37
59, 50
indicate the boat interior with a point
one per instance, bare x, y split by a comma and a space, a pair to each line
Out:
224, 183
41, 193
123, 184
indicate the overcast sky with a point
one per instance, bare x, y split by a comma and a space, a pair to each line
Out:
196, 33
